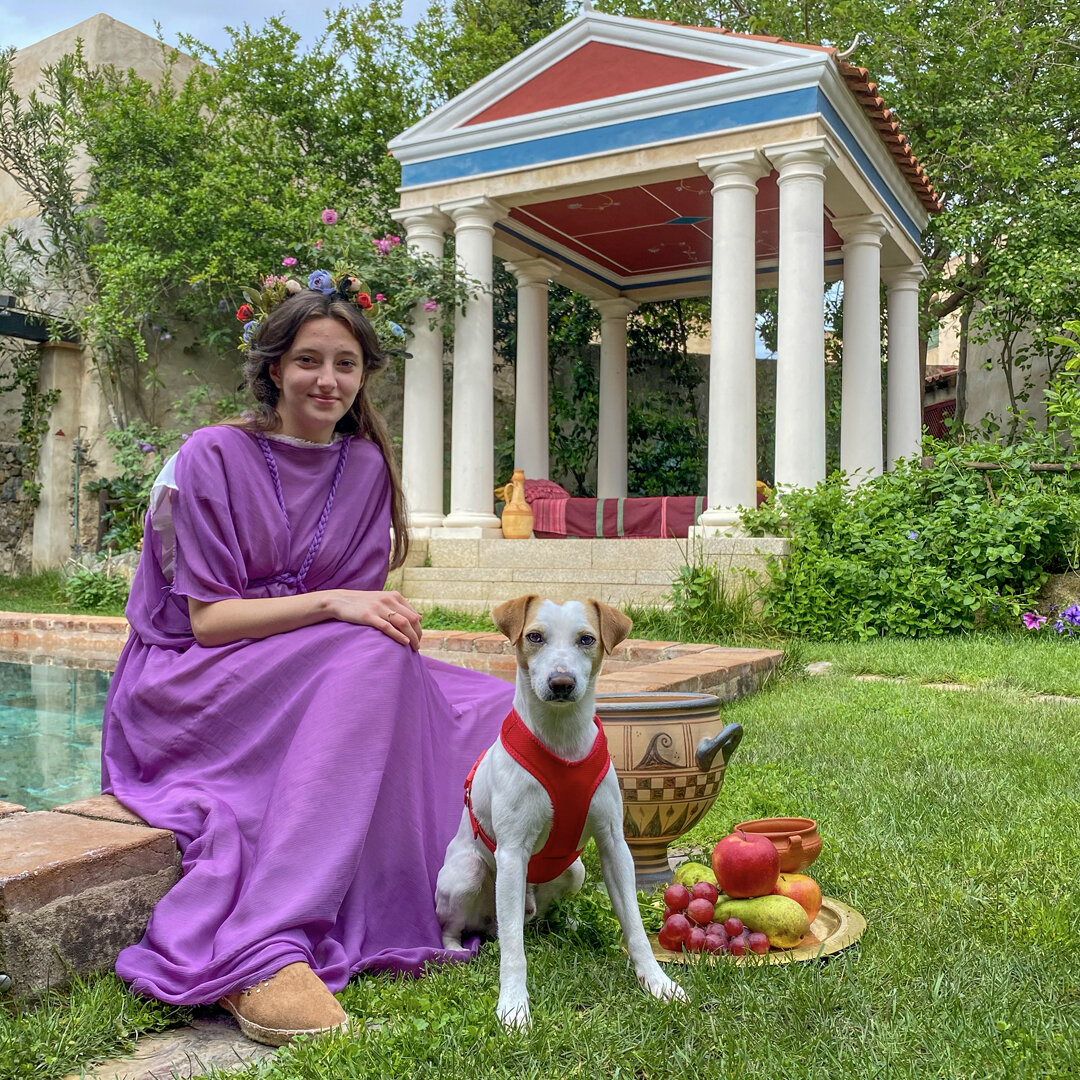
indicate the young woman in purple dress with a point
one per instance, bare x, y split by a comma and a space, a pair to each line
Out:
271, 706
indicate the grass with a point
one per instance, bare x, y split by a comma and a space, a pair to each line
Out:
44, 593
948, 820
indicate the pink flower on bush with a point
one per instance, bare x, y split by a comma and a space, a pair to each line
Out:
288, 261
431, 305
379, 298
1033, 620
318, 245
329, 217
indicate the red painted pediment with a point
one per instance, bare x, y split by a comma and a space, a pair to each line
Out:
595, 71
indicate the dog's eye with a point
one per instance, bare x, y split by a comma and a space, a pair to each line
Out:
534, 636
587, 641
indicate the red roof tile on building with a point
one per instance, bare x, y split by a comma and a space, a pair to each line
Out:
865, 91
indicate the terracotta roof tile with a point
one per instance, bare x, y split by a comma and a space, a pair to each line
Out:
865, 93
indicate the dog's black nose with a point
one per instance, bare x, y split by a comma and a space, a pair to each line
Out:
561, 686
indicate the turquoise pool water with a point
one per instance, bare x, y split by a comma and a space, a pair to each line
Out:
50, 733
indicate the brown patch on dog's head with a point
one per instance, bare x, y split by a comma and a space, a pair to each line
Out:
611, 624
512, 616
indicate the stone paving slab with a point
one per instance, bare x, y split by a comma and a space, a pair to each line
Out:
103, 807
10, 808
212, 1041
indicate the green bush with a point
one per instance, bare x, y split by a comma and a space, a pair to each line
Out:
95, 590
921, 551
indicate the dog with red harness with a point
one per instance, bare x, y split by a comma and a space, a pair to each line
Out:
538, 794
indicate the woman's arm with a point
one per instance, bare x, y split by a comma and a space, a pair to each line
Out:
225, 621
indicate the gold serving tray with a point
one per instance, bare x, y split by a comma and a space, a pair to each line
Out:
836, 927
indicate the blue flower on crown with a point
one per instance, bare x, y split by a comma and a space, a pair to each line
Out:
320, 281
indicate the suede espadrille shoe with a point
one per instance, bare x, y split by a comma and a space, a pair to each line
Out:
294, 1001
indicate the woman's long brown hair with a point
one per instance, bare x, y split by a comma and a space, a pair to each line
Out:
273, 340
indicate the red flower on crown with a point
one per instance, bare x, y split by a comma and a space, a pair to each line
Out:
364, 300
245, 313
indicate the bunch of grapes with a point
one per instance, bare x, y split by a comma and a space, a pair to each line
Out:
688, 924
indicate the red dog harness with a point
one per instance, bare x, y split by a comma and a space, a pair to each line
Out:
570, 786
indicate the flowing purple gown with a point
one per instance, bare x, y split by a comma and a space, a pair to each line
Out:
313, 778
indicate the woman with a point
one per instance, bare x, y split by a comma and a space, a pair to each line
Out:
271, 707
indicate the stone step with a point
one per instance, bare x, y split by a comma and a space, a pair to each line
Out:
76, 890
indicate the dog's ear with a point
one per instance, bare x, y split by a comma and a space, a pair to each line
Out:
613, 624
509, 616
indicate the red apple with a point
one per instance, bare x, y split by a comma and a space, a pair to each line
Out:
805, 890
700, 911
695, 940
677, 897
705, 890
746, 864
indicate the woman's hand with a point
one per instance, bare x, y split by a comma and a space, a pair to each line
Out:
389, 612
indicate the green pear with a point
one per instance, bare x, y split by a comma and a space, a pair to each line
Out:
781, 919
690, 873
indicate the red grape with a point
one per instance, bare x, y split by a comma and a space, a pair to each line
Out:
695, 940
701, 911
714, 943
733, 926
759, 943
739, 945
670, 940
677, 897
705, 890
678, 925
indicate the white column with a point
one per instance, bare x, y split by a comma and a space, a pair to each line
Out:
611, 449
861, 434
531, 368
800, 370
732, 447
905, 394
472, 436
422, 413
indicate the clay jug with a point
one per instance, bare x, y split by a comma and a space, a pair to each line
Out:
517, 517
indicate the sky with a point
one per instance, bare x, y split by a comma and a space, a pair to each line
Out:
23, 23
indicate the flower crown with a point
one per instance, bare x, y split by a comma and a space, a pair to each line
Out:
278, 288
342, 282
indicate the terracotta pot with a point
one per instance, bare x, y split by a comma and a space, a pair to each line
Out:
669, 751
795, 838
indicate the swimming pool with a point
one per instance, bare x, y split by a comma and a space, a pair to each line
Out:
50, 733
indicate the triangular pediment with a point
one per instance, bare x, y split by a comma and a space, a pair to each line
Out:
599, 58
597, 70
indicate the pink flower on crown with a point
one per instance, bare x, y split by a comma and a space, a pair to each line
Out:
329, 217
288, 261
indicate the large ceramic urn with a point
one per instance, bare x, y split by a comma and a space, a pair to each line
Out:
670, 751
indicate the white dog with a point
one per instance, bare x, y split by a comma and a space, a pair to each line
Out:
500, 868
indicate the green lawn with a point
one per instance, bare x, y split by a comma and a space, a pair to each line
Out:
949, 821
44, 593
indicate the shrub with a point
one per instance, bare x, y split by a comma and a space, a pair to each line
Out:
921, 551
95, 590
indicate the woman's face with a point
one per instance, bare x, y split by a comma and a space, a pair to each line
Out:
318, 379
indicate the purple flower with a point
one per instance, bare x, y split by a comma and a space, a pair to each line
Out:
1072, 614
288, 261
320, 281
431, 305
1033, 620
145, 447
913, 535
249, 330
382, 246
329, 217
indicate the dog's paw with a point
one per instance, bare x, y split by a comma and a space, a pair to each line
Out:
514, 1015
660, 986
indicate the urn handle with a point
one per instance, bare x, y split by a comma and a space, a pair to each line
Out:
725, 743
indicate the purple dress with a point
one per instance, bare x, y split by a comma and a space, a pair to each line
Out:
313, 778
